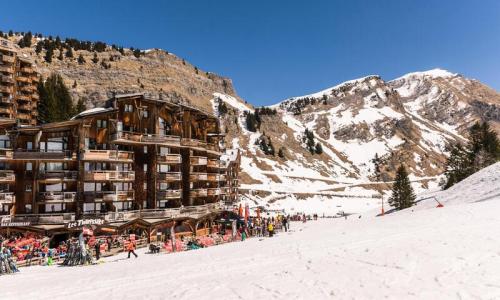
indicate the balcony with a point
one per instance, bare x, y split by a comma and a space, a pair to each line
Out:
216, 163
198, 160
22, 154
169, 176
27, 88
23, 98
213, 192
23, 116
168, 194
194, 143
169, 159
105, 175
7, 176
135, 137
198, 193
106, 196
26, 70
8, 79
56, 197
5, 110
26, 107
5, 89
56, 176
23, 79
5, 100
198, 177
7, 198
212, 147
7, 69
6, 153
35, 96
8, 58
213, 177
107, 155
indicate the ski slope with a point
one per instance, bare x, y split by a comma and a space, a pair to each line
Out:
422, 253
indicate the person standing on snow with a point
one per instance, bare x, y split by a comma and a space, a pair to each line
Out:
97, 248
131, 248
284, 222
270, 228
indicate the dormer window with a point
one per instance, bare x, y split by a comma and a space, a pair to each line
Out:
129, 108
102, 124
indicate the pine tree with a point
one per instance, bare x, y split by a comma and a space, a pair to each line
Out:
376, 164
39, 48
318, 149
281, 153
69, 52
48, 55
81, 60
95, 59
55, 100
60, 57
402, 192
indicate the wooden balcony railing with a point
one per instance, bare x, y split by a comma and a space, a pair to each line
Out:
57, 197
193, 143
8, 58
214, 177
168, 194
5, 110
213, 192
8, 79
198, 160
169, 176
212, 147
198, 177
23, 98
105, 155
35, 96
23, 154
7, 198
108, 175
108, 196
198, 193
58, 175
6, 153
7, 176
136, 137
169, 158
23, 79
5, 89
7, 69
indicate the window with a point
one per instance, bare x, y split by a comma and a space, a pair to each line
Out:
102, 124
128, 108
29, 166
145, 113
145, 149
145, 167
28, 187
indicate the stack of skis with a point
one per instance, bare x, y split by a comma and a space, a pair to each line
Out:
78, 254
7, 264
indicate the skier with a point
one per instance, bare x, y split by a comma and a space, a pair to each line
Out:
284, 221
270, 228
97, 248
131, 248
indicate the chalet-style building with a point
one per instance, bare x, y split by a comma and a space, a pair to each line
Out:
132, 154
18, 86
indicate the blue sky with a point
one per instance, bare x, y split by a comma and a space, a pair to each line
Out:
277, 49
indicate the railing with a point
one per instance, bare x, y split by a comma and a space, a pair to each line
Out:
26, 107
5, 89
145, 138
215, 163
5, 110
8, 79
168, 194
23, 98
26, 70
5, 100
8, 58
23, 79
44, 218
188, 211
198, 176
103, 155
7, 176
6, 153
35, 96
213, 192
212, 147
198, 160
7, 69
43, 155
169, 158
198, 193
193, 143
23, 116
58, 175
27, 88
105, 175
108, 196
169, 176
7, 198
216, 177
57, 197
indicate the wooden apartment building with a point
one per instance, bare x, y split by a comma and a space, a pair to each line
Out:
133, 153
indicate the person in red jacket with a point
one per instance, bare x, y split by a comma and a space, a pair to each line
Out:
131, 248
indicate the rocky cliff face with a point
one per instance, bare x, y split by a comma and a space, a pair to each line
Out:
409, 120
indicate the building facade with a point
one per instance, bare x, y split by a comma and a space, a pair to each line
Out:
134, 153
18, 86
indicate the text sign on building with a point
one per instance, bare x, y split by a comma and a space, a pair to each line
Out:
6, 221
84, 222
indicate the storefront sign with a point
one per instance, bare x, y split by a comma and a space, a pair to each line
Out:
7, 222
84, 222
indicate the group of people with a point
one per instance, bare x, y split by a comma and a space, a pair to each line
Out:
262, 227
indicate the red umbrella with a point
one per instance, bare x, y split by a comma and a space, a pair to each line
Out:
240, 211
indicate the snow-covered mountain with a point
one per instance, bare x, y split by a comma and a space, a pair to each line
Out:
409, 120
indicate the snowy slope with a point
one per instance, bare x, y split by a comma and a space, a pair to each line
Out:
446, 253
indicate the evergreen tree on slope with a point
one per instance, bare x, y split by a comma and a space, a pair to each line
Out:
402, 192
